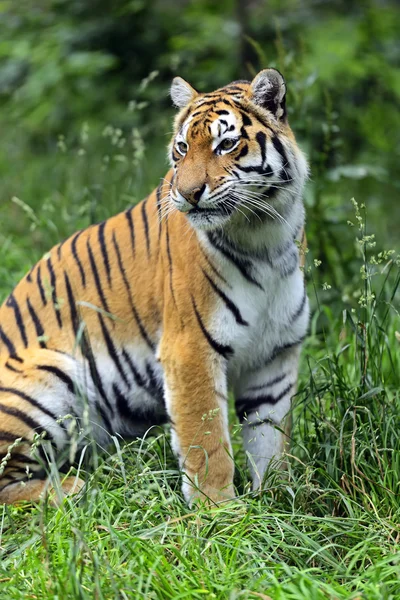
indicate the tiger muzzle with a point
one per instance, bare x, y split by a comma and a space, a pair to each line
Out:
193, 196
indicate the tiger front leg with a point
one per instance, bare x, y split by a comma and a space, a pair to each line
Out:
196, 399
262, 405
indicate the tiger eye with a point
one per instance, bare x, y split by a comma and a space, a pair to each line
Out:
182, 147
227, 144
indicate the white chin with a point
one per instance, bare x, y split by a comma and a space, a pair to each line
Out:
208, 222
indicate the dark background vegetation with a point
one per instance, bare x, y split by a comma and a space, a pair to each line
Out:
65, 63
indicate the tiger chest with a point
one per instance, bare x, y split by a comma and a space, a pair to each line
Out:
264, 320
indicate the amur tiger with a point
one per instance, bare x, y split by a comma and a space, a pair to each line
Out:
155, 314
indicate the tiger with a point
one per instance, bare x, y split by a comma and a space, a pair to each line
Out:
156, 315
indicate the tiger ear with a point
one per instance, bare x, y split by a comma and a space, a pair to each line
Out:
182, 92
268, 89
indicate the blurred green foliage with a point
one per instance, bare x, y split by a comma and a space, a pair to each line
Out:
68, 64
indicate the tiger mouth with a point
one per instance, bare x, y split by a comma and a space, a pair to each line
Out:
222, 210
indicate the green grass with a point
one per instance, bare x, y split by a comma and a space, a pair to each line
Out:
327, 528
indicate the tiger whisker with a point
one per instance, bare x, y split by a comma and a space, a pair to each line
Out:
263, 207
249, 209
234, 205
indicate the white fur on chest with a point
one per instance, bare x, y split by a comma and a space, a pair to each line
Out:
269, 313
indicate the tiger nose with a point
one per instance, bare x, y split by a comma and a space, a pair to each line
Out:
193, 196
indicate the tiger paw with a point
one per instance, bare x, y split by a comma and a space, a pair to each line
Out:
207, 495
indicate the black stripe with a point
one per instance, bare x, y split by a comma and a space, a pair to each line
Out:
12, 482
266, 171
225, 350
137, 416
30, 400
75, 254
36, 321
241, 264
202, 103
222, 112
138, 320
245, 119
53, 284
24, 418
300, 309
104, 251
40, 285
232, 87
12, 303
59, 249
263, 122
244, 133
280, 349
136, 375
221, 209
227, 301
6, 340
6, 436
246, 406
146, 226
122, 405
11, 368
96, 277
287, 263
201, 121
218, 192
17, 358
276, 142
244, 151
216, 100
170, 264
159, 209
112, 351
214, 270
72, 306
12, 470
278, 379
19, 457
155, 388
128, 215
247, 254
199, 112
87, 353
220, 93
60, 374
94, 373
261, 138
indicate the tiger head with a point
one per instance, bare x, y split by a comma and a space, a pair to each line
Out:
233, 152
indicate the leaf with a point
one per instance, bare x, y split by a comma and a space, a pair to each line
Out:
373, 392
